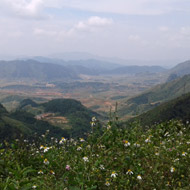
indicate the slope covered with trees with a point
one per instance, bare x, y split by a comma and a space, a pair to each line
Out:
61, 117
155, 96
178, 108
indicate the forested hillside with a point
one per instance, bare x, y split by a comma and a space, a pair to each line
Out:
155, 96
61, 117
178, 108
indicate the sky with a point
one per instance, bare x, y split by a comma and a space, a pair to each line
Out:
127, 29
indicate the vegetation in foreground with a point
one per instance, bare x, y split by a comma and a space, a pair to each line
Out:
110, 158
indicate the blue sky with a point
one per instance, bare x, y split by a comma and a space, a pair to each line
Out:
138, 29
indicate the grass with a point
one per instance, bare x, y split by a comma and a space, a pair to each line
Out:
110, 158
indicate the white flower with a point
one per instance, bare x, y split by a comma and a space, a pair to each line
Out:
41, 147
157, 154
34, 187
137, 145
108, 127
184, 153
127, 143
52, 172
82, 140
79, 148
166, 134
92, 123
114, 174
177, 159
94, 119
85, 159
147, 140
107, 183
46, 162
40, 172
102, 167
139, 177
172, 169
46, 149
129, 172
62, 140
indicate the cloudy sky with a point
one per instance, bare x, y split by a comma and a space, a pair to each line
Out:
129, 29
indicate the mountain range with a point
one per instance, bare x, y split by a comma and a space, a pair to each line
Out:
71, 70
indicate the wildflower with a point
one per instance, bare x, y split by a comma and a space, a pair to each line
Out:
137, 145
139, 177
46, 149
108, 127
166, 134
34, 187
82, 140
85, 159
41, 147
107, 183
168, 184
40, 172
172, 169
148, 140
79, 148
92, 123
94, 119
62, 140
157, 154
177, 159
67, 167
126, 143
52, 172
102, 167
46, 162
129, 172
184, 153
114, 174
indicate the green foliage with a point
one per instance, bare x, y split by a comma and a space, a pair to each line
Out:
115, 158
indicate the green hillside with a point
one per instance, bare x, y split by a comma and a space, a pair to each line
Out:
62, 117
178, 108
78, 116
181, 69
21, 124
68, 114
155, 96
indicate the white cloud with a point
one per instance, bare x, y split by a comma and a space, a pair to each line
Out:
40, 31
23, 8
90, 25
185, 31
134, 38
93, 22
163, 28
